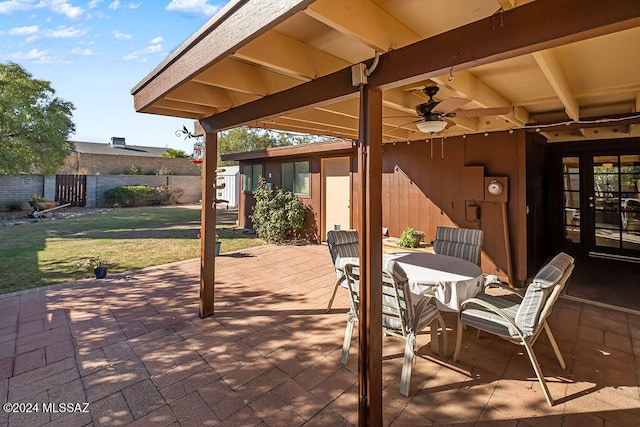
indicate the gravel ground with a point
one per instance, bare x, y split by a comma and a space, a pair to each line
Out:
8, 219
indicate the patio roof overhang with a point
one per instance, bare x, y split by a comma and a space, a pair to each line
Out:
288, 66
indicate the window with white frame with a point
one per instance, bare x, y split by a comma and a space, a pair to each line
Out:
250, 176
295, 177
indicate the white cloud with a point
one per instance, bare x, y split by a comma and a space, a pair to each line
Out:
23, 31
196, 7
10, 6
115, 5
156, 40
63, 32
151, 49
93, 4
35, 55
84, 52
64, 8
120, 35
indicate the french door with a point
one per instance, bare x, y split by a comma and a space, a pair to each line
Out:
601, 203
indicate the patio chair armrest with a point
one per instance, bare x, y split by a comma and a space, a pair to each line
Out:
500, 284
492, 308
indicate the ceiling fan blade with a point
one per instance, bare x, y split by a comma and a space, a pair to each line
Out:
450, 104
402, 125
475, 112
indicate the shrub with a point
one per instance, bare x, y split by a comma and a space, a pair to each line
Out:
168, 195
143, 195
410, 238
130, 195
278, 214
14, 206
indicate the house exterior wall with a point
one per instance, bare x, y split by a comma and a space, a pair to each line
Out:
101, 164
272, 170
424, 188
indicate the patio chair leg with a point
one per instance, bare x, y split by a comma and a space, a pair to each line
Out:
407, 364
538, 371
554, 345
445, 337
348, 333
456, 353
333, 293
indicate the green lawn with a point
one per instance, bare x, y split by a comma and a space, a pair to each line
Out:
48, 252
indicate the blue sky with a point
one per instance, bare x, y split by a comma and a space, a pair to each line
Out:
94, 52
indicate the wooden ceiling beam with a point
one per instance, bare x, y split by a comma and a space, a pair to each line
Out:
548, 63
239, 76
186, 107
162, 111
198, 93
309, 128
508, 4
478, 43
365, 21
289, 56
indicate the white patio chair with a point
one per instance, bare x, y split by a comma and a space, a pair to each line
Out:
464, 243
400, 317
343, 246
520, 323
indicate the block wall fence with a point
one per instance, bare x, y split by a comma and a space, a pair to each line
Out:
20, 188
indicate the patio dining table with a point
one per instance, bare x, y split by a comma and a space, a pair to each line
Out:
453, 280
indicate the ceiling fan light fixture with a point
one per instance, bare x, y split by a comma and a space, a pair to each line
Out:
431, 126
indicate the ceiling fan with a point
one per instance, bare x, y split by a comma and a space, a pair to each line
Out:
433, 114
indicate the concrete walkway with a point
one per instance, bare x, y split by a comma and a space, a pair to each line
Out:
133, 348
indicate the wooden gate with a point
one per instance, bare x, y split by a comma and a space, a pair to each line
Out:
71, 189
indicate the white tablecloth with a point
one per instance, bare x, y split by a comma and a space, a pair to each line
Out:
453, 279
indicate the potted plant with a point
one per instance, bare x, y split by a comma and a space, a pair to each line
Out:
218, 243
97, 265
410, 238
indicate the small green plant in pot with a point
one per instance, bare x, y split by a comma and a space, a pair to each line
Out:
97, 265
410, 238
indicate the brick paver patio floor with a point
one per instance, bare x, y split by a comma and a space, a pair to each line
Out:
133, 348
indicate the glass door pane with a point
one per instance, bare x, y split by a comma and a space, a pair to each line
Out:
571, 200
630, 201
606, 188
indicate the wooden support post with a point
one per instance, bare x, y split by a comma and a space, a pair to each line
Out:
208, 225
370, 238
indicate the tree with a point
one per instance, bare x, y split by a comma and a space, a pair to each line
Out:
175, 154
246, 139
34, 124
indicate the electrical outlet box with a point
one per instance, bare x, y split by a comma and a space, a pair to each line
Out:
359, 74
